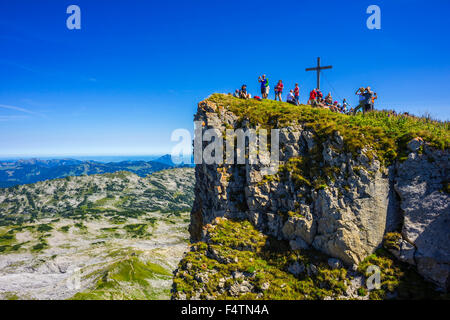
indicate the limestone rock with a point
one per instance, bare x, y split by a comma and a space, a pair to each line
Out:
202, 277
311, 270
265, 286
415, 144
298, 244
355, 230
335, 263
426, 214
296, 268
348, 217
406, 252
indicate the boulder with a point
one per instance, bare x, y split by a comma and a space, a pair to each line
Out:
335, 263
426, 210
296, 268
415, 144
298, 243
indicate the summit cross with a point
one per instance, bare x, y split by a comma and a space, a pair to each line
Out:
318, 69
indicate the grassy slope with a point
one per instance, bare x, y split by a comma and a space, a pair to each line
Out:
264, 259
127, 279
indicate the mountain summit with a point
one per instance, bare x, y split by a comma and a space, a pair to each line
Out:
351, 192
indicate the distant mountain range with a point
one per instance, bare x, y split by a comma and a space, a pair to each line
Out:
33, 170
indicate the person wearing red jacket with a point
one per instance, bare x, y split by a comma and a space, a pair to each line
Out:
319, 95
297, 94
279, 90
312, 96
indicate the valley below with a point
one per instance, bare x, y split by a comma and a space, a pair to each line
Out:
109, 236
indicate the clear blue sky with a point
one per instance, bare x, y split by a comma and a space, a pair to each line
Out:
136, 69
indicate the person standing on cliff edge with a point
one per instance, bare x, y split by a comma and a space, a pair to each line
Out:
368, 100
297, 94
264, 86
279, 90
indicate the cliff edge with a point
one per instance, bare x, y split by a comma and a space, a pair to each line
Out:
347, 189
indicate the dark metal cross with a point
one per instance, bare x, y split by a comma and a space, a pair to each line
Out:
318, 69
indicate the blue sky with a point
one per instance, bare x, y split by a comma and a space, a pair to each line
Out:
136, 69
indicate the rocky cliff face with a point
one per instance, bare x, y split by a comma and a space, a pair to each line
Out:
330, 197
425, 234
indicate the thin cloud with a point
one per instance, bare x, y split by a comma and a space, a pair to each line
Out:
11, 118
4, 106
17, 65
8, 107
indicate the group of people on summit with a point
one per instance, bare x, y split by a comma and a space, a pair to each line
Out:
366, 97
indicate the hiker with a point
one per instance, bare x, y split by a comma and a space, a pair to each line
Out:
243, 94
360, 92
368, 95
319, 102
329, 99
334, 107
279, 90
312, 97
297, 94
319, 97
345, 105
236, 93
374, 97
291, 98
264, 86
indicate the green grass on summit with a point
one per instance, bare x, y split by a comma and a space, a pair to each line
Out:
385, 133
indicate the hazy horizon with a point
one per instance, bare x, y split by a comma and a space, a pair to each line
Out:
98, 158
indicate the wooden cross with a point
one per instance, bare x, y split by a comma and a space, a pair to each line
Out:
318, 69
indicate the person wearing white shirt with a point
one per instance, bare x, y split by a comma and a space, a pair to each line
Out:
291, 97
